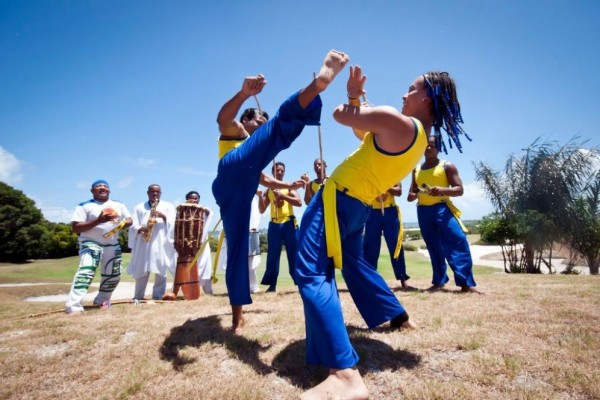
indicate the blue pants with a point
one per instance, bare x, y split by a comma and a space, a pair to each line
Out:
277, 235
445, 240
327, 341
389, 224
238, 175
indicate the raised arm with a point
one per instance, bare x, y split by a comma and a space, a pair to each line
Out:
394, 131
228, 124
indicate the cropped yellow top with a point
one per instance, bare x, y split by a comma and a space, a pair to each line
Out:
364, 175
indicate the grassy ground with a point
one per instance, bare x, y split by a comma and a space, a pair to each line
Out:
531, 337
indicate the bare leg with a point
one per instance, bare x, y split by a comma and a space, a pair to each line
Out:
334, 62
340, 384
238, 320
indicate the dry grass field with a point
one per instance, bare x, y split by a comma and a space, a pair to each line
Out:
530, 337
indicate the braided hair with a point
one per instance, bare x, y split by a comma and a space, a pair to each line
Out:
446, 109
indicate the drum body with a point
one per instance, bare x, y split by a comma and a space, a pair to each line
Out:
189, 226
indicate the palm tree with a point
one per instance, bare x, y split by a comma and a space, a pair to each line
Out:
536, 193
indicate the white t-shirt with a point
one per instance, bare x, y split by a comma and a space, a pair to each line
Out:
90, 210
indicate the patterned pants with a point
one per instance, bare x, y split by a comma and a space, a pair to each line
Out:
92, 255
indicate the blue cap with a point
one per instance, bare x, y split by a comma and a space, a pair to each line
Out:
100, 182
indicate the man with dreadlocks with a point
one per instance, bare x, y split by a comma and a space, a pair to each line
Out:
330, 234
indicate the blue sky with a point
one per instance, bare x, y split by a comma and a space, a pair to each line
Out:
128, 91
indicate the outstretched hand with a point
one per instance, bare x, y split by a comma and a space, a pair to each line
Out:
356, 82
298, 184
253, 85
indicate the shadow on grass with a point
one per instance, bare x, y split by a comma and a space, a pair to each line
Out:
290, 362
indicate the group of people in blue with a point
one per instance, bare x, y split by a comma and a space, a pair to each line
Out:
346, 213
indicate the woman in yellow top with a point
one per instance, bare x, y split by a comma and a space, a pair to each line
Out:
330, 233
433, 183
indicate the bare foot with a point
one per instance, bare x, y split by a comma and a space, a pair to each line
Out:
471, 289
340, 384
407, 287
409, 325
334, 62
238, 320
435, 288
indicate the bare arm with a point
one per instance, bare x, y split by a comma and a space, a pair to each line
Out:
292, 197
80, 227
412, 193
455, 189
395, 190
273, 183
394, 131
228, 124
263, 201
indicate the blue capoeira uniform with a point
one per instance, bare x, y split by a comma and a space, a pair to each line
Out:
278, 234
327, 341
442, 230
446, 240
389, 223
237, 180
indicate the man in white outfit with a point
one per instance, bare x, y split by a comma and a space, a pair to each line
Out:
151, 243
254, 245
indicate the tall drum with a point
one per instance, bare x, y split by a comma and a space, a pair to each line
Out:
189, 225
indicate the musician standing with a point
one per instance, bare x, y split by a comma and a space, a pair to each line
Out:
246, 147
282, 227
151, 243
92, 220
204, 261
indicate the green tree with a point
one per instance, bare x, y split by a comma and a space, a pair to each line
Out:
583, 224
61, 241
535, 193
23, 233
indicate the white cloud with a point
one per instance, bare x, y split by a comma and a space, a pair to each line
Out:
196, 172
10, 167
125, 182
473, 203
145, 162
57, 214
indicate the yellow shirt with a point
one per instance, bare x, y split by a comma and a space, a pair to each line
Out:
364, 175
431, 177
436, 176
388, 202
282, 214
228, 144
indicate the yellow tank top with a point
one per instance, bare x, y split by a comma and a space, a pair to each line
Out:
315, 186
388, 202
364, 175
282, 214
226, 145
435, 176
